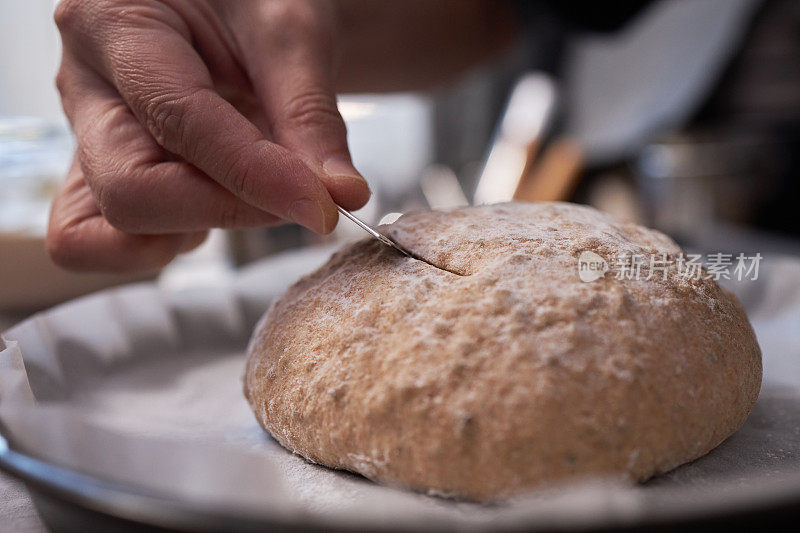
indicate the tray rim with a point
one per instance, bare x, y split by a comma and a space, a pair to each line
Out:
146, 506
150, 508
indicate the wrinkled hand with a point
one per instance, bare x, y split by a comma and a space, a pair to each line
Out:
196, 114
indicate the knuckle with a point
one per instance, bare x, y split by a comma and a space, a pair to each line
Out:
68, 14
165, 115
82, 16
241, 175
95, 166
292, 19
116, 206
59, 246
121, 220
296, 25
61, 81
65, 245
312, 108
118, 220
230, 216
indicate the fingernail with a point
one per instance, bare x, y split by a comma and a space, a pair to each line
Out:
338, 166
309, 214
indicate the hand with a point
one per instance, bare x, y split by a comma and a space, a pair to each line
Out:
196, 114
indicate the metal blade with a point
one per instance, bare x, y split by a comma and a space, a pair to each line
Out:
388, 241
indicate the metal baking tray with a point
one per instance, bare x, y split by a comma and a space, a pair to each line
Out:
124, 409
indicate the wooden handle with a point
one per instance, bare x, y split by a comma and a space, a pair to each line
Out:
554, 176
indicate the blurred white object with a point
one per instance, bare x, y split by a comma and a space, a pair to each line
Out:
30, 50
391, 141
389, 218
209, 265
34, 158
441, 188
622, 90
527, 114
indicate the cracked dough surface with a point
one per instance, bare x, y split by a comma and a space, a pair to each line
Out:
514, 377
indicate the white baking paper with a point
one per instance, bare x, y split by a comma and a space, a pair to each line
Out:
142, 386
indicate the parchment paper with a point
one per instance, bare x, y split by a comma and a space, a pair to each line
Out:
142, 386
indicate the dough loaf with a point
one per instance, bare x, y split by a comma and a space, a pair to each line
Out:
513, 377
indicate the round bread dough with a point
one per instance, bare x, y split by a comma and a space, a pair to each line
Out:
514, 376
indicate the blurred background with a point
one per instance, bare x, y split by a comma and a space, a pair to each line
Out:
682, 115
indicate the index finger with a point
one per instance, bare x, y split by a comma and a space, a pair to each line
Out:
168, 87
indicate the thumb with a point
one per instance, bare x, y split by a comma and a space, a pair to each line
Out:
289, 57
